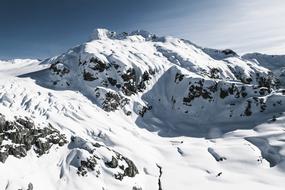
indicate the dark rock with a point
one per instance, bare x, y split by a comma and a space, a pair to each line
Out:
41, 147
144, 110
248, 111
3, 156
229, 52
59, 70
99, 65
214, 73
178, 77
151, 72
117, 163
112, 81
219, 174
196, 91
243, 92
129, 87
145, 76
142, 85
246, 80
113, 163
223, 93
273, 118
88, 76
24, 135
130, 75
131, 170
30, 186
17, 150
111, 102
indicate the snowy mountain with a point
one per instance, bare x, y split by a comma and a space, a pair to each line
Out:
141, 112
276, 63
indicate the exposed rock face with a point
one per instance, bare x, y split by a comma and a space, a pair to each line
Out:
88, 76
276, 63
59, 68
90, 159
178, 77
88, 165
131, 85
182, 101
130, 170
144, 109
229, 52
113, 163
113, 80
30, 186
97, 65
111, 100
116, 70
220, 54
19, 136
214, 73
212, 90
196, 90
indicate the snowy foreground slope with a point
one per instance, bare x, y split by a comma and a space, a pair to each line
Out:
141, 112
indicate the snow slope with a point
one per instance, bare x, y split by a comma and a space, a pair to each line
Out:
276, 63
136, 111
19, 67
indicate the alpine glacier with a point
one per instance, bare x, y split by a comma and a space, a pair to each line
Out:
135, 111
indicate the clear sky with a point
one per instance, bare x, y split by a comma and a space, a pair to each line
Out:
44, 28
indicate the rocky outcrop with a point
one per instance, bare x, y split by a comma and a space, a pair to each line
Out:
130, 170
208, 89
59, 69
115, 74
197, 90
220, 54
91, 159
131, 85
111, 100
20, 136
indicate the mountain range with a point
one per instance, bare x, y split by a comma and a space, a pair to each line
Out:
137, 111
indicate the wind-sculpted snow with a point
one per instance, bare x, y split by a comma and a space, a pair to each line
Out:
141, 112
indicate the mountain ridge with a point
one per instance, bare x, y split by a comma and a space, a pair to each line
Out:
134, 111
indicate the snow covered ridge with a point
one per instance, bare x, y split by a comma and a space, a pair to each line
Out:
141, 112
112, 70
103, 34
276, 63
19, 66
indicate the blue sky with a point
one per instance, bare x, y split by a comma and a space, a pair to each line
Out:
44, 28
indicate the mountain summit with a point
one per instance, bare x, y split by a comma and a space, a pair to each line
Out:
137, 111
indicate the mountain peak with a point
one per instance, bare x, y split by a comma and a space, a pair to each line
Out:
142, 33
102, 34
130, 110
